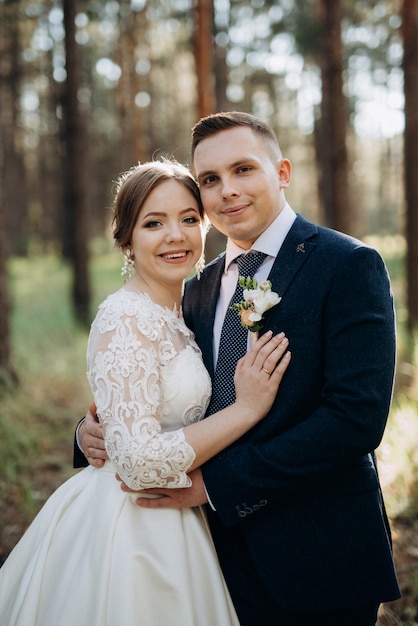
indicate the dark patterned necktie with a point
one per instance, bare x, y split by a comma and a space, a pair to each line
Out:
234, 339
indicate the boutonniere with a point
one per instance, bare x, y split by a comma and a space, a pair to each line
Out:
257, 300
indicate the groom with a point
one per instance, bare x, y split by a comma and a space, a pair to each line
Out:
295, 508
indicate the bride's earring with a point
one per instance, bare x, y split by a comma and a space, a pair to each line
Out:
199, 266
128, 267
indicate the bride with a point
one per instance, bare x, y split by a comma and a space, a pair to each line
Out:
92, 557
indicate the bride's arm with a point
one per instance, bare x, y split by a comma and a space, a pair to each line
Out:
123, 371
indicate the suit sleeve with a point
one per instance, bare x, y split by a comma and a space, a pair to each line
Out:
79, 460
332, 406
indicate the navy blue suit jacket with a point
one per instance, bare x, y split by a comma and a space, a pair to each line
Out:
301, 487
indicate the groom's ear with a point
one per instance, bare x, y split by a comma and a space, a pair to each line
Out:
284, 168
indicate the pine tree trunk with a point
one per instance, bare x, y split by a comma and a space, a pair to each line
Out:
5, 365
74, 172
6, 370
331, 142
410, 66
204, 56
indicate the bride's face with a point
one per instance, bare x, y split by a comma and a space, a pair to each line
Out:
167, 239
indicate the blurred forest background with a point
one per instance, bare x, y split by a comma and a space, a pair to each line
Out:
88, 88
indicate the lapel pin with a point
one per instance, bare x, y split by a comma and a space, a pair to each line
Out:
300, 247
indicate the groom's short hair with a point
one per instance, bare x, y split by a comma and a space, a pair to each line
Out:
217, 122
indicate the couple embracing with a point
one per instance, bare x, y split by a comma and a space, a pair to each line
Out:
280, 477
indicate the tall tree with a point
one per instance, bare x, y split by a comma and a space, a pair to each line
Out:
204, 56
6, 116
410, 66
6, 370
74, 138
331, 139
14, 181
135, 132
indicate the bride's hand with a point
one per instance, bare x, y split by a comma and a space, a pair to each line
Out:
258, 374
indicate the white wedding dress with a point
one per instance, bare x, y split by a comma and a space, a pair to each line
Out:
92, 557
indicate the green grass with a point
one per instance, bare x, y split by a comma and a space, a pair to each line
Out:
37, 418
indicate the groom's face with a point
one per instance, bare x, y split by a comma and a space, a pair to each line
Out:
240, 183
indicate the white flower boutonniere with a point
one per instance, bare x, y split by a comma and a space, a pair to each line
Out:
257, 300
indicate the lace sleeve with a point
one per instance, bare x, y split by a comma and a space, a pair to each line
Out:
123, 372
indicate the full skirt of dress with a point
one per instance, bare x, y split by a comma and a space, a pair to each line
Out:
92, 557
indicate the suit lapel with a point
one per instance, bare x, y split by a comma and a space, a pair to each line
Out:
294, 252
211, 286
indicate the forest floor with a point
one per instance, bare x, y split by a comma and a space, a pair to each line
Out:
405, 545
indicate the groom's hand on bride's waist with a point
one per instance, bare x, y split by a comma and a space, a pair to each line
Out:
90, 439
172, 498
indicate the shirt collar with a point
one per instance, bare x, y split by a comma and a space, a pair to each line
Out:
269, 242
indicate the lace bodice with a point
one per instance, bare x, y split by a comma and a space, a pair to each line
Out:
148, 381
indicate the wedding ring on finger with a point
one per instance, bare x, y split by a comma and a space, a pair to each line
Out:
266, 371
